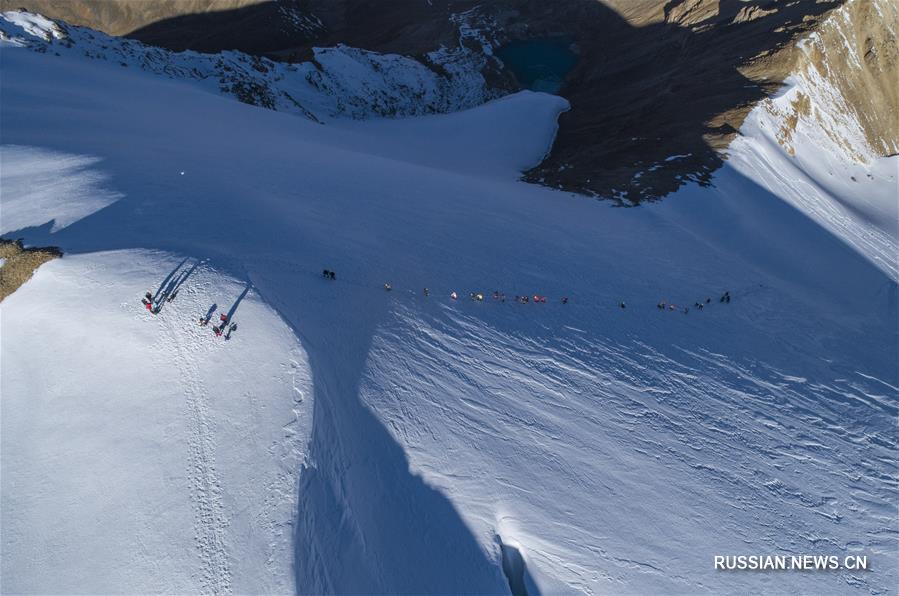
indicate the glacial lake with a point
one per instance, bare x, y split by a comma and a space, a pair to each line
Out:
539, 64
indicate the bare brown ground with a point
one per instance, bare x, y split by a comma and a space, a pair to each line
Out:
20, 264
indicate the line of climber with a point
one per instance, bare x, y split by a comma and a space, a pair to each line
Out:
499, 296
725, 299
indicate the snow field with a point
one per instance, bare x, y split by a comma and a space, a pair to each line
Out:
141, 453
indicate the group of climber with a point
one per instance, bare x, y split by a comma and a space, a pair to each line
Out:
225, 326
152, 305
698, 305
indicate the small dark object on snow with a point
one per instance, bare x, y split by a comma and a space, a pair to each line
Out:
149, 297
564, 299
686, 310
707, 300
203, 321
172, 296
217, 330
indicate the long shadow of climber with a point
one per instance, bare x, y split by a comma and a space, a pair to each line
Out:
204, 320
168, 291
168, 278
226, 324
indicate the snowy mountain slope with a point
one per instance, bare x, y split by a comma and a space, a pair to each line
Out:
817, 143
139, 451
618, 448
339, 81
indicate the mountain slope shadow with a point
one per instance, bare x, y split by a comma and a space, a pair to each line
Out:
365, 522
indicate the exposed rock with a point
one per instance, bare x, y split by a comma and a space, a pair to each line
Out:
20, 263
751, 13
119, 17
690, 12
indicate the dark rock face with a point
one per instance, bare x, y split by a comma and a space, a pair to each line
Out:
653, 105
659, 89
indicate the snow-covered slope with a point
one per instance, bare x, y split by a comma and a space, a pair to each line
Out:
140, 452
338, 82
817, 143
618, 449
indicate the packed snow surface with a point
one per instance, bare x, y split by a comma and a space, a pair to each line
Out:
350, 439
140, 452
